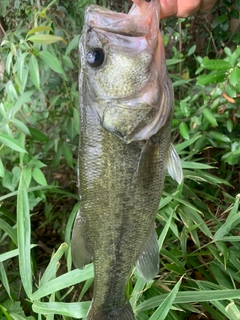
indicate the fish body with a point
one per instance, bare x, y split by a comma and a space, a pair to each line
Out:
126, 107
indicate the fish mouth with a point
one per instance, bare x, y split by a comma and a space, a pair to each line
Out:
97, 17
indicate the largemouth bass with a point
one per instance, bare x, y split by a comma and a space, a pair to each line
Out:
126, 107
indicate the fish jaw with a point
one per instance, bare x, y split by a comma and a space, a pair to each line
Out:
151, 12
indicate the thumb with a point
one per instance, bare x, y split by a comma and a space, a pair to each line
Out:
168, 8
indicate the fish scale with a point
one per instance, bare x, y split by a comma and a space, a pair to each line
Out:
124, 149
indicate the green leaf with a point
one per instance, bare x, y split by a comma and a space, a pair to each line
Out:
24, 236
27, 174
64, 281
20, 64
50, 271
67, 62
170, 62
39, 177
68, 230
235, 76
34, 72
195, 165
216, 65
164, 232
39, 29
12, 253
210, 117
185, 108
6, 314
227, 226
181, 146
14, 308
2, 170
11, 143
73, 44
9, 63
190, 296
232, 311
38, 135
51, 61
4, 279
77, 310
139, 286
162, 311
191, 50
67, 153
183, 128
9, 230
219, 137
11, 179
20, 126
231, 90
24, 98
46, 39
212, 78
11, 91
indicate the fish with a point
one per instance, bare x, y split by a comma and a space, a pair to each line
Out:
126, 109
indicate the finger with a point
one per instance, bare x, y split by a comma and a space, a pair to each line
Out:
168, 8
187, 8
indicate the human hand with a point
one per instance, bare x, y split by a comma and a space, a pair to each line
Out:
178, 8
184, 8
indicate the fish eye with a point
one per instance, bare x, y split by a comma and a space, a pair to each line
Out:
95, 57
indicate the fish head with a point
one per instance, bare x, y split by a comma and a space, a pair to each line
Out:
123, 79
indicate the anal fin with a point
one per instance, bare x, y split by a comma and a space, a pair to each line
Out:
174, 165
148, 259
80, 253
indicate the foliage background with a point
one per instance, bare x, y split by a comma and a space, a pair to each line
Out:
198, 221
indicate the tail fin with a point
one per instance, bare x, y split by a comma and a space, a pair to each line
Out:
122, 313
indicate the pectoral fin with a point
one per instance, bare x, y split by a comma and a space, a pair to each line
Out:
80, 253
174, 165
148, 260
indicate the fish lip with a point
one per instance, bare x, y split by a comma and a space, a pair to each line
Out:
100, 18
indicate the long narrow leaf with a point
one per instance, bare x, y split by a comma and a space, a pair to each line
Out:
163, 310
76, 310
4, 279
9, 230
164, 231
191, 296
11, 143
66, 280
24, 236
11, 254
51, 61
51, 269
34, 72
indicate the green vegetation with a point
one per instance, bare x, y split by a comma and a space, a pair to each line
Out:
198, 222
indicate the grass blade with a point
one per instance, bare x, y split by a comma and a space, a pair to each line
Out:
64, 281
4, 279
9, 230
11, 254
163, 309
53, 266
76, 310
191, 296
24, 236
